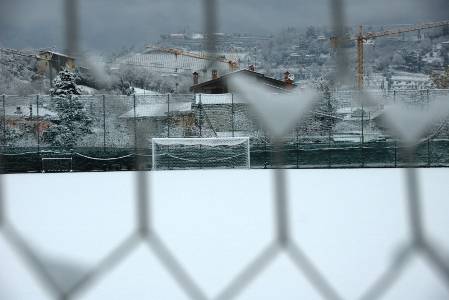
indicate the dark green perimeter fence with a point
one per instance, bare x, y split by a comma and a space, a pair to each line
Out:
343, 136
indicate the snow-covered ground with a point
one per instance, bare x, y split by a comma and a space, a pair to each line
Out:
85, 90
350, 223
139, 91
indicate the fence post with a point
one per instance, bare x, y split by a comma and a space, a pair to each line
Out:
395, 153
232, 113
201, 117
51, 147
265, 164
168, 129
297, 147
363, 137
38, 126
168, 115
329, 148
395, 141
4, 121
104, 123
135, 124
429, 141
329, 132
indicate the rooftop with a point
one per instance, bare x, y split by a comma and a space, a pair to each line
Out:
222, 80
55, 53
157, 110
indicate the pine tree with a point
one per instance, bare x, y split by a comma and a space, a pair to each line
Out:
73, 121
10, 135
326, 107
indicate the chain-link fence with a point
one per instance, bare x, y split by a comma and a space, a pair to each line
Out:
342, 134
122, 123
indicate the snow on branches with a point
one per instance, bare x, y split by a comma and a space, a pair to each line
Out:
73, 122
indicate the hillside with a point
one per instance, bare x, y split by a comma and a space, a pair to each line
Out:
18, 73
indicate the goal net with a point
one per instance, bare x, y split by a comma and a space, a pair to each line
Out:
200, 153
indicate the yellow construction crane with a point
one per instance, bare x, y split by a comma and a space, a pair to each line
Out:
362, 37
233, 64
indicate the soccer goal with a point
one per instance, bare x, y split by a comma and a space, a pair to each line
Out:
57, 164
200, 153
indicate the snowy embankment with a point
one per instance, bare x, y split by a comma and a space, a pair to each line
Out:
350, 223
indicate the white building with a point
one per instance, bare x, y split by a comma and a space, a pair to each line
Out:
410, 81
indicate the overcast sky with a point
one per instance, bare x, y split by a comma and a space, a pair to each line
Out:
112, 24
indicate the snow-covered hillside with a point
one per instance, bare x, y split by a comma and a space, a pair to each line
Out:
18, 73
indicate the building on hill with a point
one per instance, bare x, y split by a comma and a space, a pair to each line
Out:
225, 41
223, 110
50, 61
163, 61
219, 84
410, 81
26, 119
155, 118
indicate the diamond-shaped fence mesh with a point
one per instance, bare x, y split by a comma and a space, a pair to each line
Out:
122, 129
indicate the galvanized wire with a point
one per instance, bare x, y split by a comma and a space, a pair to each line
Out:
144, 233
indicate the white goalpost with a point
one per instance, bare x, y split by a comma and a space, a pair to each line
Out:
200, 153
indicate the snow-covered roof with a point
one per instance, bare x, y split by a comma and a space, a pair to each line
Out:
157, 110
197, 36
345, 110
24, 111
405, 76
177, 35
227, 134
217, 99
85, 90
138, 91
55, 53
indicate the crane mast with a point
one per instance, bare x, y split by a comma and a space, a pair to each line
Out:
360, 59
362, 37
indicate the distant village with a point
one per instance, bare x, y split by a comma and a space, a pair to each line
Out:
414, 60
197, 81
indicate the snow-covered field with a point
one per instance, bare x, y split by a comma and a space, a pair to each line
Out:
350, 223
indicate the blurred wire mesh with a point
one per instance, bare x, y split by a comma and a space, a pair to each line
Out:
133, 132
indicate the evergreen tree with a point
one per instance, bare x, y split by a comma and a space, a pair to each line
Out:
326, 107
10, 135
73, 121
